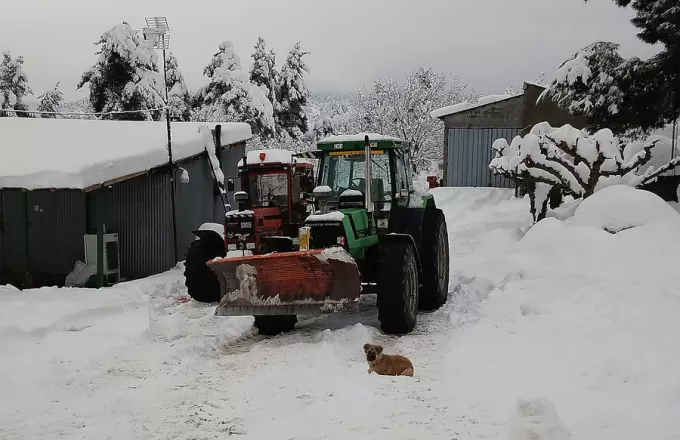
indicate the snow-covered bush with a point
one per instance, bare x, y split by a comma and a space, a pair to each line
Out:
125, 77
13, 85
574, 162
230, 96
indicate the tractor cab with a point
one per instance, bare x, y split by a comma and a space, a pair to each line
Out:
272, 201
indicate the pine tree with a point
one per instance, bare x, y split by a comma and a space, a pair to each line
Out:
125, 76
263, 71
293, 94
178, 93
230, 96
13, 85
50, 101
656, 82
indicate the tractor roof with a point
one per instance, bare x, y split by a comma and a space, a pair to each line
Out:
268, 157
357, 142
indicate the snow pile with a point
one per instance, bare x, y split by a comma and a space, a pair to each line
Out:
71, 153
620, 207
468, 105
563, 310
537, 420
351, 193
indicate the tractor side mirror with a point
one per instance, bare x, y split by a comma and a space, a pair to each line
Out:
230, 185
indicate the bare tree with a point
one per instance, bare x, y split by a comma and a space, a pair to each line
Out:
403, 109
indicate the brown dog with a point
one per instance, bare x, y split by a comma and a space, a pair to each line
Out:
385, 364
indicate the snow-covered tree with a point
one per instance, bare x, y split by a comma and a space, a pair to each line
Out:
292, 94
179, 99
231, 97
628, 96
50, 101
263, 71
13, 85
403, 109
575, 162
125, 76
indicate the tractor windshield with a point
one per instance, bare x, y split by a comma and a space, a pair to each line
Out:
343, 170
268, 189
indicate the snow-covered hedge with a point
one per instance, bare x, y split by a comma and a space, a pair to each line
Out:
578, 163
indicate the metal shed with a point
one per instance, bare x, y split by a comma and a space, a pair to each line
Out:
471, 130
42, 229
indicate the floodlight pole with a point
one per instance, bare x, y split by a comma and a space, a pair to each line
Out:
160, 25
172, 165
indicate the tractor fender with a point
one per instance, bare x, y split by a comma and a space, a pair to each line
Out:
401, 238
208, 230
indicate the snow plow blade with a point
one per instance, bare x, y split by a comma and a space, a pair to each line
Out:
288, 283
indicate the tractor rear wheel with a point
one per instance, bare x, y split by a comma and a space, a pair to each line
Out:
435, 260
397, 288
201, 281
272, 325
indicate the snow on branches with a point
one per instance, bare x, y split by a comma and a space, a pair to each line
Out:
402, 109
49, 102
230, 96
125, 76
13, 85
574, 162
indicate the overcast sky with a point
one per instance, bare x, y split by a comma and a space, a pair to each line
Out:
490, 44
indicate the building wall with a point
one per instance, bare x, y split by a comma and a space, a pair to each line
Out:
469, 154
195, 202
42, 231
507, 113
2, 238
14, 230
56, 224
139, 210
546, 110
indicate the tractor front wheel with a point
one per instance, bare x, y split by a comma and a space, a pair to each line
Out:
398, 288
272, 325
435, 259
201, 281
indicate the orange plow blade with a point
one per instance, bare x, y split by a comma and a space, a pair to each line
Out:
288, 283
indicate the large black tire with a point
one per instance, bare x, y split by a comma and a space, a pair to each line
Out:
201, 281
272, 325
397, 288
434, 257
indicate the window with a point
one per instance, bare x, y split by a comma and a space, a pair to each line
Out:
343, 171
269, 189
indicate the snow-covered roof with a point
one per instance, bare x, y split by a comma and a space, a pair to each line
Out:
80, 154
464, 106
359, 137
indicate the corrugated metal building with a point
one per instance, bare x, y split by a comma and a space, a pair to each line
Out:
42, 229
471, 130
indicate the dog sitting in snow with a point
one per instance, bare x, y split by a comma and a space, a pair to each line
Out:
385, 364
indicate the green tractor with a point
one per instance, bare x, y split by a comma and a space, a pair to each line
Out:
369, 233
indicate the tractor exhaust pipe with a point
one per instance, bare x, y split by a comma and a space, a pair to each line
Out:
368, 173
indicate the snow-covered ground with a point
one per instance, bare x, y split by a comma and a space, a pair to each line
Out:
557, 330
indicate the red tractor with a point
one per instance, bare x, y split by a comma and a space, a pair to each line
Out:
272, 205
